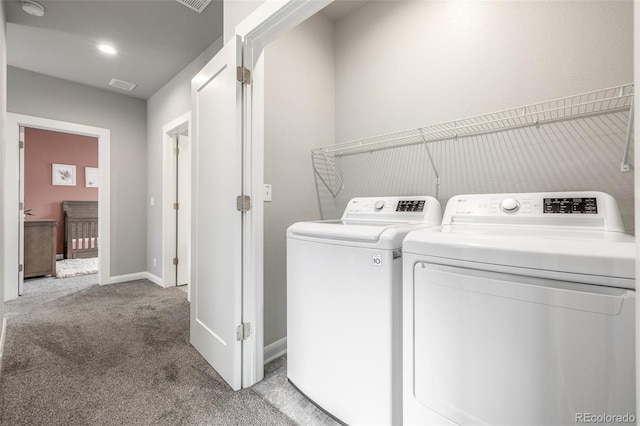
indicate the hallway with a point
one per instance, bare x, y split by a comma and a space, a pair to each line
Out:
81, 354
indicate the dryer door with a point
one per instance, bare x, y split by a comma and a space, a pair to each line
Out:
494, 348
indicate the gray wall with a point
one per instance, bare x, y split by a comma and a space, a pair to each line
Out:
299, 116
234, 12
431, 62
38, 95
3, 110
169, 103
402, 65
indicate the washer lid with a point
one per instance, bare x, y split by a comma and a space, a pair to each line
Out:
369, 221
596, 253
390, 233
383, 235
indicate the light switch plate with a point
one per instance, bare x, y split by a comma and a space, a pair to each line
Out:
267, 192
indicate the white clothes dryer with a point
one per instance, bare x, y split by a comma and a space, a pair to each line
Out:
520, 310
344, 301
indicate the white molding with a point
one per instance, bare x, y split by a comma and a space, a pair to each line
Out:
132, 277
274, 18
264, 25
636, 30
168, 190
3, 334
155, 279
275, 350
11, 195
270, 20
145, 275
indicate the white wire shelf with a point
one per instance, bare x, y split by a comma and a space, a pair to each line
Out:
599, 102
604, 101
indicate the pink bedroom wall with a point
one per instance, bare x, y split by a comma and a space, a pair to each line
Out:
42, 148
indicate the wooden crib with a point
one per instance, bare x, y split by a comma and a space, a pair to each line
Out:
80, 229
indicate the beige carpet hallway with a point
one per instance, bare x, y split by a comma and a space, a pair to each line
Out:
81, 354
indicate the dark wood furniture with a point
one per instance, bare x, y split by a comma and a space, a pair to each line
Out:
40, 247
80, 229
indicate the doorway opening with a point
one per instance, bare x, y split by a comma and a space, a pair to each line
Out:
176, 211
59, 193
13, 277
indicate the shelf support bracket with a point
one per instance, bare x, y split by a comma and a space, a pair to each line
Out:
626, 166
330, 165
433, 164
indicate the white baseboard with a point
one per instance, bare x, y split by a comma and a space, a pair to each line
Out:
128, 277
275, 350
136, 276
154, 279
3, 333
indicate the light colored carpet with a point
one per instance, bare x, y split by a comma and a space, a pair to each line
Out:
77, 353
67, 268
276, 389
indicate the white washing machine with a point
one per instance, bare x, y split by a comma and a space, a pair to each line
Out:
344, 301
520, 310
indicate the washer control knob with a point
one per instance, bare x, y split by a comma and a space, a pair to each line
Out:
379, 205
509, 205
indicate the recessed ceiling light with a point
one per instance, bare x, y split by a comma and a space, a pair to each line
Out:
32, 8
105, 48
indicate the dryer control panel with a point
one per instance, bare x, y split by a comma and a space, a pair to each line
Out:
593, 210
412, 208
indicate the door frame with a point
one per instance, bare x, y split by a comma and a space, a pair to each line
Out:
14, 189
263, 26
169, 131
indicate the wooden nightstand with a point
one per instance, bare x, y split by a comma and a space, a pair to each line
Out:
40, 247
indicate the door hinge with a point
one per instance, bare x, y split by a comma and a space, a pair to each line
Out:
244, 75
176, 151
175, 260
176, 206
20, 206
243, 203
20, 267
243, 331
21, 145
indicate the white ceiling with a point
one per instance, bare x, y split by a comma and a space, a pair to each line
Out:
155, 38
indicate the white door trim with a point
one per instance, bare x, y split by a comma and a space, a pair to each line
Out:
169, 131
11, 198
636, 47
264, 25
21, 217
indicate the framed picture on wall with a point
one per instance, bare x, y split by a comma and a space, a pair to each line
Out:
63, 174
91, 177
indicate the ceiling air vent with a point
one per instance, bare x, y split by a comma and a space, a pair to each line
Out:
122, 84
197, 5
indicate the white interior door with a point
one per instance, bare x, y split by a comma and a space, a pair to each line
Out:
216, 295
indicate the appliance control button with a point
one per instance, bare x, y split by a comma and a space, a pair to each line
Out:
509, 205
379, 205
